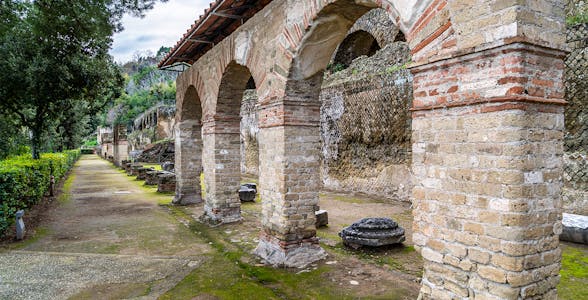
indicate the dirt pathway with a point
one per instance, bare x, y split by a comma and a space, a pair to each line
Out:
109, 238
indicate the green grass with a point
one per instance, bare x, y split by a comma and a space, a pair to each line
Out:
574, 273
154, 166
39, 233
65, 196
230, 273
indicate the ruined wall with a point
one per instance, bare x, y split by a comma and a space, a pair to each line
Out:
249, 131
153, 125
575, 192
365, 125
121, 145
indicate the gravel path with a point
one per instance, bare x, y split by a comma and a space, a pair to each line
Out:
108, 240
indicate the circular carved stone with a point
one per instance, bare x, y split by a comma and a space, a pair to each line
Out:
372, 232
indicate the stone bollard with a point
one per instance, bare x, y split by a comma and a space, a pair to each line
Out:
166, 182
20, 226
52, 186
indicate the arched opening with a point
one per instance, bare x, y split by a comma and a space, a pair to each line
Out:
302, 136
188, 144
356, 44
222, 145
249, 131
365, 118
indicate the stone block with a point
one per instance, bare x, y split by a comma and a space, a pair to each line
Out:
166, 183
142, 173
575, 228
322, 218
151, 177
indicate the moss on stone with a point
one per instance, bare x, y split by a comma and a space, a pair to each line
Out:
574, 273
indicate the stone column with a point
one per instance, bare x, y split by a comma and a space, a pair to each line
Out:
222, 174
289, 146
188, 162
487, 158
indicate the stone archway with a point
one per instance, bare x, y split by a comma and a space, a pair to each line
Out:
486, 142
356, 44
188, 147
471, 115
222, 147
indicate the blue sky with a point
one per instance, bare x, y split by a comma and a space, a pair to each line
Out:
162, 26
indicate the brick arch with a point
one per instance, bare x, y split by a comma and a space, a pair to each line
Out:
379, 24
309, 46
230, 90
222, 157
471, 227
191, 106
188, 146
356, 44
190, 80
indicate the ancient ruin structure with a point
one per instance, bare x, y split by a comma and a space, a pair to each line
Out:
113, 143
155, 124
120, 144
487, 130
104, 138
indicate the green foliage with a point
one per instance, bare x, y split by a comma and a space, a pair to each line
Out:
396, 68
24, 181
574, 273
143, 72
91, 143
338, 67
131, 106
55, 65
577, 13
579, 18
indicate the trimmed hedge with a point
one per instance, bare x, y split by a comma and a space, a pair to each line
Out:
24, 181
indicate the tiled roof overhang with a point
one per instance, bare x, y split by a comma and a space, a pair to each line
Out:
219, 21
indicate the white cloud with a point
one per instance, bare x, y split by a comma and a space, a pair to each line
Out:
164, 25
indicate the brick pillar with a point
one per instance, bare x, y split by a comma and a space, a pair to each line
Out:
289, 147
222, 173
120, 149
487, 158
188, 164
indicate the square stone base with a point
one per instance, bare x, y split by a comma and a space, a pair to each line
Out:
291, 255
186, 199
215, 216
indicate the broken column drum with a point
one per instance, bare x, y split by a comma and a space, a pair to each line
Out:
372, 232
247, 192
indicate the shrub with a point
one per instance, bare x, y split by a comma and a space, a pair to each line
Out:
24, 181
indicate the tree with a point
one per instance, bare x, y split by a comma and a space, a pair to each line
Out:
54, 54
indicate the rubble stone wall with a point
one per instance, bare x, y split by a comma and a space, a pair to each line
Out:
575, 192
366, 125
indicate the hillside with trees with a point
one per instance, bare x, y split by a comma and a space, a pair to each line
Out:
145, 87
56, 72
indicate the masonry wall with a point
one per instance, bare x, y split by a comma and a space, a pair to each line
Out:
366, 124
154, 125
575, 192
